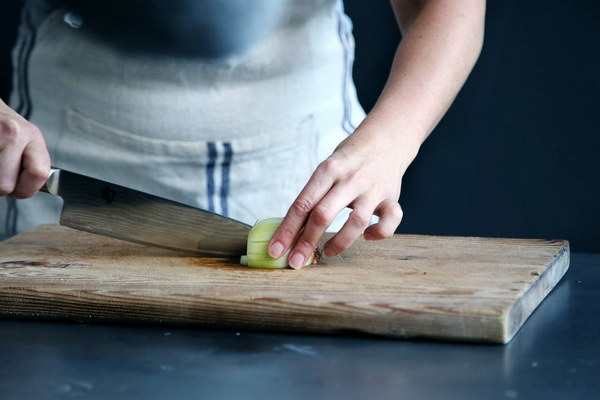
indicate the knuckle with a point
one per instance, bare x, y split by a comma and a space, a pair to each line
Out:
338, 244
9, 131
305, 243
331, 249
6, 187
388, 233
336, 247
302, 206
357, 176
375, 232
379, 232
13, 131
359, 220
38, 173
322, 216
286, 233
396, 213
330, 166
35, 131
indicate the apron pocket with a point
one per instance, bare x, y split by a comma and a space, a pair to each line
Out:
248, 178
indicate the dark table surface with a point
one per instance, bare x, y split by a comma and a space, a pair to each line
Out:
556, 355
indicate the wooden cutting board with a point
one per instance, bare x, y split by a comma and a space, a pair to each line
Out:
448, 288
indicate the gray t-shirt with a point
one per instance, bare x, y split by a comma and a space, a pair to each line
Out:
205, 28
239, 134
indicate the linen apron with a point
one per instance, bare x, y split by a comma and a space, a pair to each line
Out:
239, 136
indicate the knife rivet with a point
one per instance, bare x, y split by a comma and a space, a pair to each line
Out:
108, 194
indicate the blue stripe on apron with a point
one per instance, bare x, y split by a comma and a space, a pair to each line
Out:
225, 177
217, 193
346, 40
210, 175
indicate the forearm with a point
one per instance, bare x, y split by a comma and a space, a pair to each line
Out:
441, 42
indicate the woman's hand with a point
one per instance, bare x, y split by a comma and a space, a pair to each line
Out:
363, 173
24, 159
441, 41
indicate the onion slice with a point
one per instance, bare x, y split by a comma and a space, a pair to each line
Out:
257, 250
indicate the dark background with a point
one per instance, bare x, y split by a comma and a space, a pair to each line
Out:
518, 154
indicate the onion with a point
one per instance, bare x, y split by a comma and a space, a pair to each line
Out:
258, 241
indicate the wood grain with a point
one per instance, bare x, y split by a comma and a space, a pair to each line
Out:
410, 286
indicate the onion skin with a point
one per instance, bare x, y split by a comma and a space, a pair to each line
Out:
257, 250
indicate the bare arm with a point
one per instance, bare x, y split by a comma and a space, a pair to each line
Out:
441, 42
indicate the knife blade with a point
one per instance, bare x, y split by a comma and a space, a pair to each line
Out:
107, 209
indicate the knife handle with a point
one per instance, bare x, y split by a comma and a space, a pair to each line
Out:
51, 185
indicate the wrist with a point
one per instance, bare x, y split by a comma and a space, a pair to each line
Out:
391, 134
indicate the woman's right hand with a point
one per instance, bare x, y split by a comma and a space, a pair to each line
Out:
24, 158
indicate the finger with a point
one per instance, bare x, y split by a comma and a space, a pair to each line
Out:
319, 220
35, 165
390, 215
10, 155
317, 187
357, 222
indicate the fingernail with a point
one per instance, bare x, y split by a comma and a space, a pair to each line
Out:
297, 261
276, 250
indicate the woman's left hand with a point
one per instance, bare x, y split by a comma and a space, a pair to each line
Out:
364, 173
441, 42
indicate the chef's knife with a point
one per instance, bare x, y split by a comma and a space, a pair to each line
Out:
111, 210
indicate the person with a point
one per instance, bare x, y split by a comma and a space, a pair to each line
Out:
244, 108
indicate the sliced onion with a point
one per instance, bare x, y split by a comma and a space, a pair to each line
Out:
258, 241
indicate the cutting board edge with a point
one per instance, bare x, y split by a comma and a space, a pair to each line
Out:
524, 308
495, 339
215, 313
